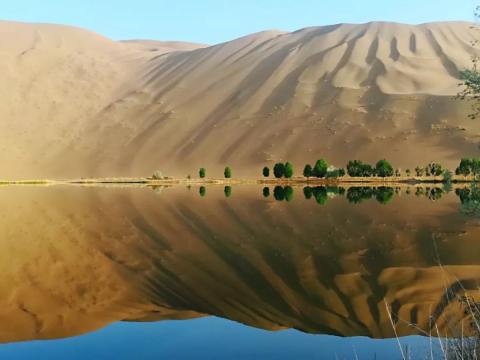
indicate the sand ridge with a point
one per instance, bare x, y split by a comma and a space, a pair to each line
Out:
78, 104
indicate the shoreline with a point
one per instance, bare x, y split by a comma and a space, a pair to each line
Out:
349, 181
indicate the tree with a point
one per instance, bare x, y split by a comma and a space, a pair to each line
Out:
307, 192
202, 191
341, 172
356, 168
279, 170
279, 193
465, 167
228, 191
308, 171
202, 173
266, 171
288, 172
384, 168
288, 190
320, 169
408, 172
419, 171
434, 169
384, 195
266, 192
227, 172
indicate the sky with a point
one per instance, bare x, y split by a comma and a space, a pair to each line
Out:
214, 21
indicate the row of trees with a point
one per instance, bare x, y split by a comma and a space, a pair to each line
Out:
357, 168
468, 166
202, 173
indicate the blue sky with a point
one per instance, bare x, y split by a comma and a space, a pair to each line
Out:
213, 21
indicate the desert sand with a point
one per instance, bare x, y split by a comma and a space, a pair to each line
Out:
77, 104
73, 260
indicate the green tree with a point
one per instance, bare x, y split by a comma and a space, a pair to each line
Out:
308, 171
266, 192
384, 194
419, 171
384, 168
308, 192
279, 170
228, 191
357, 168
202, 173
434, 169
202, 191
465, 167
279, 193
408, 172
320, 169
320, 194
227, 172
288, 190
266, 171
288, 170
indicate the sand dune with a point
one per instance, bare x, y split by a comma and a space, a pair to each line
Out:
76, 259
78, 104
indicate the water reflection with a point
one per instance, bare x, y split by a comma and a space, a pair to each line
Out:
470, 197
227, 191
75, 259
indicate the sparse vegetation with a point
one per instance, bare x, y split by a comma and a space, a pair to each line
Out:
266, 171
308, 171
157, 175
357, 168
266, 192
227, 173
279, 170
288, 172
384, 168
320, 169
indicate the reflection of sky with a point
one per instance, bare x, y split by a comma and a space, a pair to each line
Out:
209, 338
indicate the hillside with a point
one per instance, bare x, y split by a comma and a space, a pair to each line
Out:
77, 104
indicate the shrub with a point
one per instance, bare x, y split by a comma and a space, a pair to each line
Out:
308, 171
288, 170
408, 172
384, 168
266, 171
202, 173
279, 170
320, 169
157, 175
227, 172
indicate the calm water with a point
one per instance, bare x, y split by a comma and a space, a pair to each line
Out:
242, 272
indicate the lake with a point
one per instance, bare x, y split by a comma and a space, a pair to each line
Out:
235, 272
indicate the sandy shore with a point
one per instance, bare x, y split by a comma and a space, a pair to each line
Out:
346, 181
